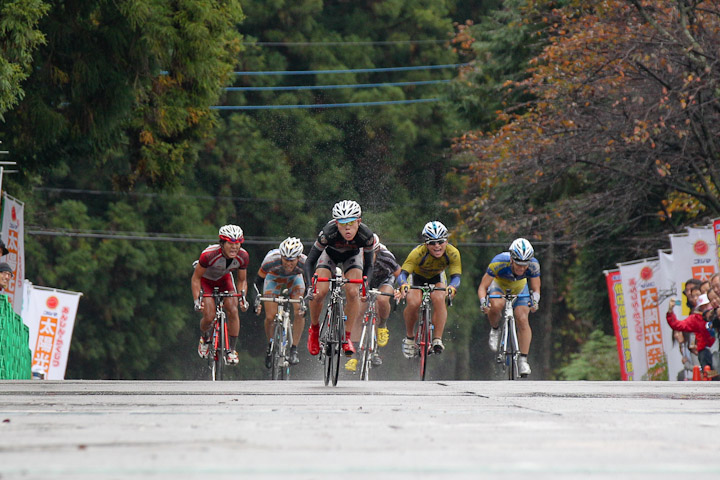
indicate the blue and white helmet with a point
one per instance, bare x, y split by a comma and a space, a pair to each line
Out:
521, 251
434, 231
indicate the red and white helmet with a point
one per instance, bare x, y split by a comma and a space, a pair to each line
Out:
231, 233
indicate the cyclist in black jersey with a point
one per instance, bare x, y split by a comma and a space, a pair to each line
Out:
343, 242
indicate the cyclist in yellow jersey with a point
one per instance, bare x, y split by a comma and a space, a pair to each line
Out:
514, 270
426, 263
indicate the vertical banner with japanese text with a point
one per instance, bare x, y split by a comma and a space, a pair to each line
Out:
13, 234
622, 335
666, 290
716, 232
695, 256
640, 291
50, 316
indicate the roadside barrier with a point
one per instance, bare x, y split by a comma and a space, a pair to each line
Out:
15, 354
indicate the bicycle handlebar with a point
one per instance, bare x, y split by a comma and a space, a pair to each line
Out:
375, 291
281, 300
340, 280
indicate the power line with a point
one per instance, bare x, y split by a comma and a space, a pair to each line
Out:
344, 44
356, 70
332, 87
323, 105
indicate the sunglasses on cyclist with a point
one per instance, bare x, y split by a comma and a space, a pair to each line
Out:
351, 222
435, 242
289, 259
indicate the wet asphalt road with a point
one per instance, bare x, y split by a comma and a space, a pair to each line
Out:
399, 430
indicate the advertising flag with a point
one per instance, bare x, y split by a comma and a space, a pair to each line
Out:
667, 289
640, 292
622, 335
49, 314
13, 234
695, 256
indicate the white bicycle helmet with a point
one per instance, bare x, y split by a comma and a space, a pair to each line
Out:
434, 231
521, 251
291, 248
347, 210
376, 244
231, 233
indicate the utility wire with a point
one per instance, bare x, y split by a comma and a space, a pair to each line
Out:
355, 70
345, 44
322, 105
332, 87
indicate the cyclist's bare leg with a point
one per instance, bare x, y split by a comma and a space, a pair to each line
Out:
410, 314
383, 305
523, 327
439, 310
352, 294
298, 325
208, 315
496, 308
356, 332
233, 317
316, 304
270, 311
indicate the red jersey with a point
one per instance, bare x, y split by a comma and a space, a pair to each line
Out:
217, 266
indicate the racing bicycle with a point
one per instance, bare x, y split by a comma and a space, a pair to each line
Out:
219, 344
332, 326
508, 350
425, 328
368, 338
282, 338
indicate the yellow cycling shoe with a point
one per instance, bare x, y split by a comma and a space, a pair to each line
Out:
351, 365
383, 335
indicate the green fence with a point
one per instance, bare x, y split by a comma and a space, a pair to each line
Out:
15, 355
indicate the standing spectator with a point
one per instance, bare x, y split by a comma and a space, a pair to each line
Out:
696, 323
6, 273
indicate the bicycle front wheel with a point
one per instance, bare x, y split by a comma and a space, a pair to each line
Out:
277, 360
423, 342
220, 350
366, 347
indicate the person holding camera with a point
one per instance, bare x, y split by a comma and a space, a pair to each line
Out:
702, 322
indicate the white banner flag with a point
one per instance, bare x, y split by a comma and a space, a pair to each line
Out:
640, 290
695, 256
666, 289
13, 234
50, 316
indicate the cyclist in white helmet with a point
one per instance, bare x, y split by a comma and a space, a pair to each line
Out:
385, 270
215, 269
343, 242
516, 270
282, 269
427, 263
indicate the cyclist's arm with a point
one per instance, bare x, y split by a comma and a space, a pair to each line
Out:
242, 283
368, 265
195, 284
309, 267
534, 286
487, 279
260, 281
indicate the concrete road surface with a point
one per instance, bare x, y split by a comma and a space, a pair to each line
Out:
375, 430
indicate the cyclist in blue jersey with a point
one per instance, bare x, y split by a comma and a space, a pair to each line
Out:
516, 270
282, 269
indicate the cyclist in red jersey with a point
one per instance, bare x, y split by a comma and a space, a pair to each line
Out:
344, 241
215, 269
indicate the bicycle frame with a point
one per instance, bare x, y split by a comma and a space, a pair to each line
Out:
282, 336
425, 328
332, 327
220, 343
509, 350
368, 338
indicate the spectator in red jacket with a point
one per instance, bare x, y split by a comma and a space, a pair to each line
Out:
697, 323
